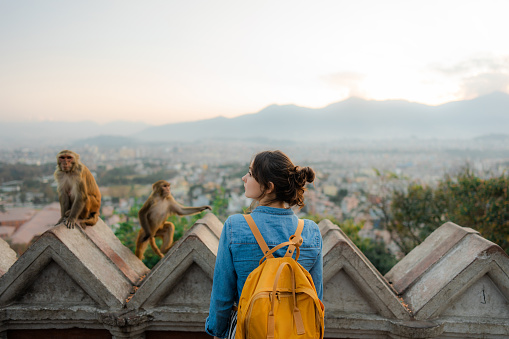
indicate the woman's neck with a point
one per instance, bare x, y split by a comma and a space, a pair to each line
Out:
276, 204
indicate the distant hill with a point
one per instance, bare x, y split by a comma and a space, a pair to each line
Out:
108, 141
352, 118
58, 132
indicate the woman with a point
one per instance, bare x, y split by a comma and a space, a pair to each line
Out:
275, 184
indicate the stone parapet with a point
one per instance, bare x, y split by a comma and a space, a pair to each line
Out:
459, 279
454, 285
66, 280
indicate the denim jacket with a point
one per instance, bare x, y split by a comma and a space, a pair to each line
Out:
239, 254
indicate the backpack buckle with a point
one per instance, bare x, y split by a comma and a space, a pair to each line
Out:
296, 240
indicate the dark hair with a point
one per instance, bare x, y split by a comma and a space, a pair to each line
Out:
289, 180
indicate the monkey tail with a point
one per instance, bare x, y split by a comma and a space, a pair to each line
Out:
155, 248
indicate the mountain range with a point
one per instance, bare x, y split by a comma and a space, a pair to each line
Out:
351, 118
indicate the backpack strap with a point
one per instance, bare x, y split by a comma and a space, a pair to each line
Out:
297, 316
293, 243
258, 236
296, 240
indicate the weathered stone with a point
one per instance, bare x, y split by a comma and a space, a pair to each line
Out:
122, 257
7, 257
456, 285
125, 324
421, 258
69, 251
353, 288
458, 279
212, 222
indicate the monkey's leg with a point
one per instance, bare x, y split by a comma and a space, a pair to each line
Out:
166, 233
154, 247
65, 207
77, 207
141, 246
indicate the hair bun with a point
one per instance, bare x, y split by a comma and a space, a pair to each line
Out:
304, 175
309, 174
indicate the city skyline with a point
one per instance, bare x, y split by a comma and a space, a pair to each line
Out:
165, 61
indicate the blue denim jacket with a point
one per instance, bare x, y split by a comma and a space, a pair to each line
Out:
239, 254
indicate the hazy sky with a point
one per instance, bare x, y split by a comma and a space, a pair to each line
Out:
168, 61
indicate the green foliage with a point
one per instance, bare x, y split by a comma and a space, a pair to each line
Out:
220, 204
126, 233
465, 199
374, 249
415, 215
482, 204
133, 210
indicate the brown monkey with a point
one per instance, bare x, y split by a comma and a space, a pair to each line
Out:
78, 192
153, 214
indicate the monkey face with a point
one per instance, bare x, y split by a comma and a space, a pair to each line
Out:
162, 188
66, 162
165, 189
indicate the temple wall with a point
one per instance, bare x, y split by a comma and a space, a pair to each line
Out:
86, 284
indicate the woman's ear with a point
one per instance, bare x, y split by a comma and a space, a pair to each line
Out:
270, 188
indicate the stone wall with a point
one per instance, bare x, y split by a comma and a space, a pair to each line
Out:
86, 284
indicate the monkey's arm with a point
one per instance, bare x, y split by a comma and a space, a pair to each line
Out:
77, 205
176, 208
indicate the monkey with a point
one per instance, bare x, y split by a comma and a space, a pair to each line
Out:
78, 192
153, 214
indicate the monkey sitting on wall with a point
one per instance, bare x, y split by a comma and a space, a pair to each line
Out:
153, 214
78, 192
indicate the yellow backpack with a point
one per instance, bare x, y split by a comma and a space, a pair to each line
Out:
279, 298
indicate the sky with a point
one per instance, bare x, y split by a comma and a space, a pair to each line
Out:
165, 61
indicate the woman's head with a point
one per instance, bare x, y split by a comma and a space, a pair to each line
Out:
278, 179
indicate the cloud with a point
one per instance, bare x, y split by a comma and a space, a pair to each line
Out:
477, 76
349, 83
485, 83
483, 64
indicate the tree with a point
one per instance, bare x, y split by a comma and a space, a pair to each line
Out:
414, 215
482, 204
465, 199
